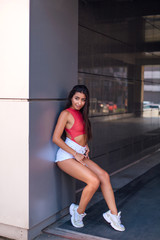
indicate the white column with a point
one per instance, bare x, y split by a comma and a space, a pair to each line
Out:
14, 118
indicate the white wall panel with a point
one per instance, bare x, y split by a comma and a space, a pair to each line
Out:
14, 48
14, 170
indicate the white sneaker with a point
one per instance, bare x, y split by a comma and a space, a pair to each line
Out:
114, 220
76, 218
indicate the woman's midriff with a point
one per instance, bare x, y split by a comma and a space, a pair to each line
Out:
81, 139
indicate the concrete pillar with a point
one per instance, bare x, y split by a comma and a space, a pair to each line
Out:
38, 66
130, 88
138, 91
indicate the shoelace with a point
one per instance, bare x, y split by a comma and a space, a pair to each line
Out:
80, 217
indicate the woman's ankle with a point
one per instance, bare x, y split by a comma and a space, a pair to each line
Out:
114, 212
80, 211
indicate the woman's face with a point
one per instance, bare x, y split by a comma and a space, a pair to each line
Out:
78, 100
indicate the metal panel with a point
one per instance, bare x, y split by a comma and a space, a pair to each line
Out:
53, 48
51, 190
53, 72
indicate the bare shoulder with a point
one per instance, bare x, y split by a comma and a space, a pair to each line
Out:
64, 114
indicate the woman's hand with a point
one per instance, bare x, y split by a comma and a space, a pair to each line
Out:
87, 152
79, 157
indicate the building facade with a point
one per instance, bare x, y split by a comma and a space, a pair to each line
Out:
47, 46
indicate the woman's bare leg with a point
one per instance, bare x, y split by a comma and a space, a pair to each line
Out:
81, 172
105, 185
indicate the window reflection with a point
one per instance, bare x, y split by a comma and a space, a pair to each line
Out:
108, 95
151, 101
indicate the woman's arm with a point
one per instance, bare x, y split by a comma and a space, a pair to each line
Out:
61, 123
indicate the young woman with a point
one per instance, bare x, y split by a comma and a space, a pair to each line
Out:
73, 158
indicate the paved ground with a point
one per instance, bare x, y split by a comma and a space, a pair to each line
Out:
141, 216
137, 194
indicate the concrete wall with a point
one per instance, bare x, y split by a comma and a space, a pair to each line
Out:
39, 47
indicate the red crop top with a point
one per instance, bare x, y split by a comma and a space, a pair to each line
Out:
78, 127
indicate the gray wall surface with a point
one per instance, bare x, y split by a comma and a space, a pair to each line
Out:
50, 190
53, 48
53, 72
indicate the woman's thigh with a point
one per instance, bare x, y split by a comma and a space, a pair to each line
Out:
77, 170
100, 172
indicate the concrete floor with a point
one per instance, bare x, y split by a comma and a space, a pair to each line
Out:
137, 195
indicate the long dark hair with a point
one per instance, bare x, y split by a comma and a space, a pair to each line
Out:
85, 110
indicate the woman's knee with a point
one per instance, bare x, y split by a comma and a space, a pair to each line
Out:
94, 182
104, 177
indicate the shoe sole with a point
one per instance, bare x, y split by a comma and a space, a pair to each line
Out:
71, 211
110, 222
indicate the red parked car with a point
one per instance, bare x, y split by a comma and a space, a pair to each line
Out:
112, 107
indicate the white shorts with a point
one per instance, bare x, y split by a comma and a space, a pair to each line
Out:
63, 155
